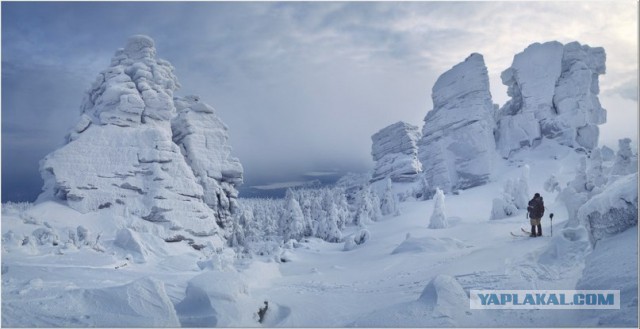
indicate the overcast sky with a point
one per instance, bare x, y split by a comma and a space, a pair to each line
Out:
302, 86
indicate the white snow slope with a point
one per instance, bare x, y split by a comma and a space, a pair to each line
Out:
64, 268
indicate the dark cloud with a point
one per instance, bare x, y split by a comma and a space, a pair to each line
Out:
302, 86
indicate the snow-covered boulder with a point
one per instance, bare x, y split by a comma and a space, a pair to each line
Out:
554, 94
203, 137
395, 152
457, 146
122, 151
612, 211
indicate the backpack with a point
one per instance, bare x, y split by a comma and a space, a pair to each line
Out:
536, 208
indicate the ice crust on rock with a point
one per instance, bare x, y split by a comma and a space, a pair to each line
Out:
122, 151
395, 152
554, 94
457, 146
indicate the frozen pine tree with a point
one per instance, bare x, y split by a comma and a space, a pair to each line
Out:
626, 162
292, 222
365, 207
438, 217
515, 195
521, 193
596, 176
388, 204
328, 225
376, 213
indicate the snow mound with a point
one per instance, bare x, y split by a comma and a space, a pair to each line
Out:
445, 295
141, 303
614, 210
457, 146
568, 248
428, 244
395, 153
212, 299
443, 303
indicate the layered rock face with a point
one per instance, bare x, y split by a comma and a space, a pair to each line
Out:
122, 151
554, 94
395, 152
457, 148
203, 138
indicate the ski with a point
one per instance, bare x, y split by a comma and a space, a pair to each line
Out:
525, 231
518, 235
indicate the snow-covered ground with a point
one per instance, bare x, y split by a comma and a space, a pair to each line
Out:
106, 268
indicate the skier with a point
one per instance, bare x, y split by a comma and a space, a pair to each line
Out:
535, 211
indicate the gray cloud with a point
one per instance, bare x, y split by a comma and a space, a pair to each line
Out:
302, 86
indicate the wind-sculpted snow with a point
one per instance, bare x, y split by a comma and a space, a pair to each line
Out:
141, 303
395, 152
554, 94
122, 151
457, 146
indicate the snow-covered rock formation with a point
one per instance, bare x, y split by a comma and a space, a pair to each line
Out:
554, 94
457, 146
395, 152
614, 210
203, 138
122, 150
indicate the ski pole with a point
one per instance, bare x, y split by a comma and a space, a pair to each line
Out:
551, 218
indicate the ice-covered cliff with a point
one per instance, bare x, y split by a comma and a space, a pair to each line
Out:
395, 152
122, 151
554, 94
457, 148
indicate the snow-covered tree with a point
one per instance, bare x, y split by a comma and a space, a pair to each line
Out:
521, 193
388, 204
626, 161
595, 172
552, 185
423, 191
376, 213
293, 219
515, 195
328, 225
438, 217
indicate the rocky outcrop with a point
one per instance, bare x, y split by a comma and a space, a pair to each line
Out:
203, 138
395, 152
122, 151
614, 210
457, 146
554, 94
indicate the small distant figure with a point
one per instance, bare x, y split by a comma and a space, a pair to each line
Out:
262, 311
535, 211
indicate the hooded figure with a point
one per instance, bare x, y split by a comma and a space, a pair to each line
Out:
536, 211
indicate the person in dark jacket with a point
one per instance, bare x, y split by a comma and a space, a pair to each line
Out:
535, 212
